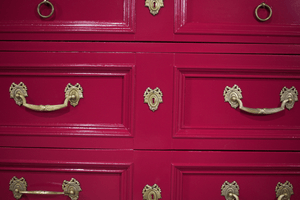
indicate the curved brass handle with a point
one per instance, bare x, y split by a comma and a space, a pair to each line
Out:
72, 94
19, 187
45, 2
263, 5
288, 98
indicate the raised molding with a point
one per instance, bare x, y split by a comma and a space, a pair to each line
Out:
182, 26
125, 170
127, 25
179, 170
123, 129
233, 132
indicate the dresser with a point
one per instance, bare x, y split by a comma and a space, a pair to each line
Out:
134, 99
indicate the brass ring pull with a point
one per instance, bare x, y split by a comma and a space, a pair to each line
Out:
263, 5
72, 94
19, 187
288, 97
45, 2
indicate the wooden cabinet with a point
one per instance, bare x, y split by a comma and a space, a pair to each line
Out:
112, 143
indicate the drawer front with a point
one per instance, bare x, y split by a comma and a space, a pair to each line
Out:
231, 18
103, 117
203, 118
118, 16
190, 175
93, 174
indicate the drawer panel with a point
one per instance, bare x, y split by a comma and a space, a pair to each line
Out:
201, 174
232, 18
100, 177
202, 113
69, 16
106, 106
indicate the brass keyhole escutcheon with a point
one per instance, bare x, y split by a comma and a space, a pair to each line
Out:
153, 98
151, 192
154, 6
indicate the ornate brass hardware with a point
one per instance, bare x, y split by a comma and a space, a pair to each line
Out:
153, 98
263, 5
45, 2
284, 190
230, 190
151, 193
19, 187
154, 5
288, 97
73, 93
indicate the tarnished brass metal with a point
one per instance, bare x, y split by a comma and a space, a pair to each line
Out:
284, 190
70, 188
288, 97
264, 5
73, 93
153, 98
154, 5
230, 190
151, 193
45, 2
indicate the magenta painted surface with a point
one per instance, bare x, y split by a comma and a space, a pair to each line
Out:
130, 20
112, 143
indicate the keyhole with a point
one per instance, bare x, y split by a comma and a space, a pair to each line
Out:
153, 101
154, 4
152, 196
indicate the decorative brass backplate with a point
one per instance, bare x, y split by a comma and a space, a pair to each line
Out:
151, 193
17, 185
153, 98
230, 190
154, 5
73, 93
16, 90
285, 190
70, 188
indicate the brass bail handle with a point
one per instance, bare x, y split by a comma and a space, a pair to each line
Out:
19, 187
288, 97
264, 5
45, 2
73, 93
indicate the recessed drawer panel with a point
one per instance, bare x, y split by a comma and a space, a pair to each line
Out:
203, 112
89, 174
104, 110
272, 18
68, 16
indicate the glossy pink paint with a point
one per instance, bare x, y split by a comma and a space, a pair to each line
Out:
112, 143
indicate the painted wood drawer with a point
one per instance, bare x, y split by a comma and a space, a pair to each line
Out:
190, 174
103, 118
203, 117
130, 20
94, 174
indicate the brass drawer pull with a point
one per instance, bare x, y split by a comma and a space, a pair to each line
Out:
263, 5
45, 2
19, 187
288, 97
230, 190
73, 93
284, 190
